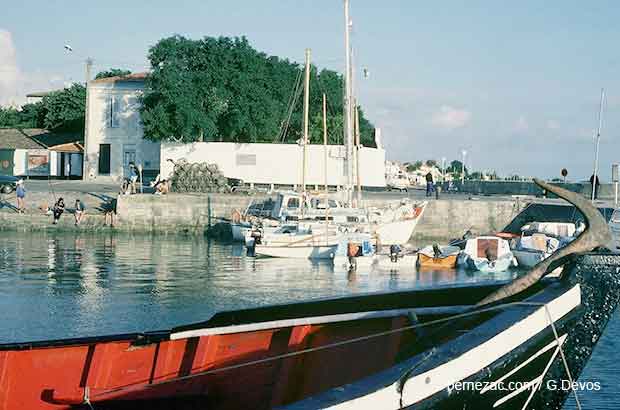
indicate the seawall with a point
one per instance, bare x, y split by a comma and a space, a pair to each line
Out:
184, 213
192, 214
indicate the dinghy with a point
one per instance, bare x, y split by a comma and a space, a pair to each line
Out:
487, 254
438, 257
448, 347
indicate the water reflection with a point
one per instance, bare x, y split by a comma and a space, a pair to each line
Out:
70, 285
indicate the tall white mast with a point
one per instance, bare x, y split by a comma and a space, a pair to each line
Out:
348, 134
305, 137
598, 140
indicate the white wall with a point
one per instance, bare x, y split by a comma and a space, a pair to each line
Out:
276, 163
129, 132
20, 160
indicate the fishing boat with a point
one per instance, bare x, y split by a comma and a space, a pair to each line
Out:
487, 254
355, 250
436, 256
486, 345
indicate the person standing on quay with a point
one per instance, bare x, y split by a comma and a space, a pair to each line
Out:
429, 184
20, 192
595, 185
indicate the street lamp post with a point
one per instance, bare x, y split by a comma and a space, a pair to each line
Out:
464, 152
443, 169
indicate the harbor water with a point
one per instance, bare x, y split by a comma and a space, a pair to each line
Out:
68, 285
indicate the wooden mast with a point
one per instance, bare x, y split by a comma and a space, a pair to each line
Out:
325, 167
357, 157
347, 104
305, 138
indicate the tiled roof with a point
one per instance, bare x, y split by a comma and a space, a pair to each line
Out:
35, 138
41, 93
12, 138
136, 77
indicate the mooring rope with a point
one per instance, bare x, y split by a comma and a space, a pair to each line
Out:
570, 377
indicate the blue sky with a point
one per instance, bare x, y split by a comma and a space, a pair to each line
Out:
516, 84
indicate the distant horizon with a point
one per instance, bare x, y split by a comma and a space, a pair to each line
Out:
515, 85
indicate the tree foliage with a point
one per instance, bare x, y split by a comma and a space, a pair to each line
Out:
112, 72
222, 89
59, 110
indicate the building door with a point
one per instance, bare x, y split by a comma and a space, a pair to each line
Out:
62, 165
129, 156
6, 161
104, 159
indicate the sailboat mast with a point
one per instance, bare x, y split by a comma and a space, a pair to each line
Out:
357, 157
347, 104
306, 109
598, 140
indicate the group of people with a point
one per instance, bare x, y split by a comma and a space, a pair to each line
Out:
59, 208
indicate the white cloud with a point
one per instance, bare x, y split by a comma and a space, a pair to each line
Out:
521, 124
9, 72
553, 125
451, 118
14, 82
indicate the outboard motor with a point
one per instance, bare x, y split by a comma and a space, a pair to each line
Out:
395, 252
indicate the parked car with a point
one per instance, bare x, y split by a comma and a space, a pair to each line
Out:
7, 184
398, 184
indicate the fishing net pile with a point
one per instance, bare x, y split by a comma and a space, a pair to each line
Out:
198, 177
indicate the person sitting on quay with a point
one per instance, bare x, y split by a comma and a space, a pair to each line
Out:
80, 209
133, 177
59, 208
20, 193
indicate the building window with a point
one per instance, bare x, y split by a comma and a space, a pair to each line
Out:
116, 106
104, 159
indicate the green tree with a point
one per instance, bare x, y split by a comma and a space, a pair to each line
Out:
112, 72
456, 166
431, 163
64, 109
29, 116
415, 166
222, 89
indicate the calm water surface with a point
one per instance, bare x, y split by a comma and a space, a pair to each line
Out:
72, 285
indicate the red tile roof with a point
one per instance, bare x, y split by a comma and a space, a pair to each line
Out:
129, 77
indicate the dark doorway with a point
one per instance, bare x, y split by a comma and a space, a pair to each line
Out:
62, 165
104, 159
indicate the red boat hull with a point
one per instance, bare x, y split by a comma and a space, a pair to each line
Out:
123, 371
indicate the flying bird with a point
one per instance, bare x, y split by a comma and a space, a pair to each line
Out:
68, 47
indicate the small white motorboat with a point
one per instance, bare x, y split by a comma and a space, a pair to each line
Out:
530, 250
296, 251
487, 254
355, 250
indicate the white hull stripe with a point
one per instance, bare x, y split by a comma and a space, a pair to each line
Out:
469, 363
316, 320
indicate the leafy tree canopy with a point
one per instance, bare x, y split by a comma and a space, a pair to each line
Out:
112, 72
59, 110
222, 89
